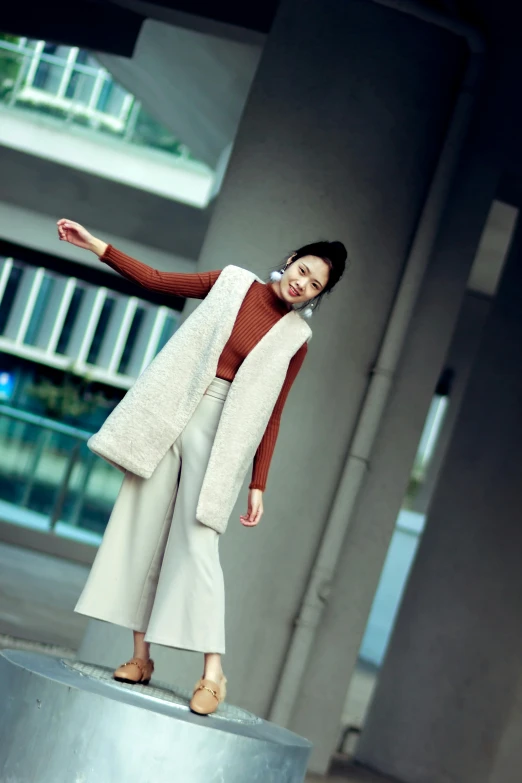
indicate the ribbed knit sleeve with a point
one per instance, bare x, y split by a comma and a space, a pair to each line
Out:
266, 448
191, 286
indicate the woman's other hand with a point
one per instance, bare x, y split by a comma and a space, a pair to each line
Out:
75, 234
255, 508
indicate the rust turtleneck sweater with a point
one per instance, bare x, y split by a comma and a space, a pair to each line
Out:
260, 310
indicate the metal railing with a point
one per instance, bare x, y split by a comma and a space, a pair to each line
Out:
48, 473
67, 83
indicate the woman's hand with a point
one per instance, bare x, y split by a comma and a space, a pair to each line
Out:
255, 508
75, 234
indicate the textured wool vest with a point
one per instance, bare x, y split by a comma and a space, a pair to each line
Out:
154, 412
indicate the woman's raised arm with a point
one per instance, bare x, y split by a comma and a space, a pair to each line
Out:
193, 286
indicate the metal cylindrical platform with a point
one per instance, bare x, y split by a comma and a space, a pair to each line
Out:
69, 722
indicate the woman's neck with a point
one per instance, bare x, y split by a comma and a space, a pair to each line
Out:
275, 289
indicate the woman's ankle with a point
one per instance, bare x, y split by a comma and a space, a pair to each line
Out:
141, 647
213, 674
212, 668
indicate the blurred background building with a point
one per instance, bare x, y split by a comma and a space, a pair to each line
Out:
194, 137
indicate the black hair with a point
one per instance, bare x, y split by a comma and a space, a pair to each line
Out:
334, 254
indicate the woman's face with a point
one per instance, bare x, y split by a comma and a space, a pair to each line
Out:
303, 279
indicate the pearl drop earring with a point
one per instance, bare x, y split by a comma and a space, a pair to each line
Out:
308, 311
276, 276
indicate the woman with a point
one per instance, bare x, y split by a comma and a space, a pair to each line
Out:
207, 406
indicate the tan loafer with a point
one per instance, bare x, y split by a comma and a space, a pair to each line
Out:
135, 671
207, 696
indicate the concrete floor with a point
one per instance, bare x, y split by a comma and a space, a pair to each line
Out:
37, 597
344, 772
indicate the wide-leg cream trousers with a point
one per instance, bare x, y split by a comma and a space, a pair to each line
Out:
157, 570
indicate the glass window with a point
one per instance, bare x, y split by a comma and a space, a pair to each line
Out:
9, 295
111, 98
70, 320
131, 340
80, 87
48, 74
99, 334
40, 307
80, 84
169, 328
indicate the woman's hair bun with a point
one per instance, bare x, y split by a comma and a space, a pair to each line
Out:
338, 250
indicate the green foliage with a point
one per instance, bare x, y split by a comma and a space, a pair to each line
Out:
417, 477
73, 398
414, 486
151, 133
10, 64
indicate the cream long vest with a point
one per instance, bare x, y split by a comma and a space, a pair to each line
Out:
154, 412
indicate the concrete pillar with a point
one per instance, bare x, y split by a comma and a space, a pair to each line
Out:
506, 768
44, 695
339, 139
460, 360
446, 703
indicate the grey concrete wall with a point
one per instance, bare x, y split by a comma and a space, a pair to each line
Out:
37, 231
506, 768
460, 359
367, 541
345, 150
447, 693
43, 187
343, 179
